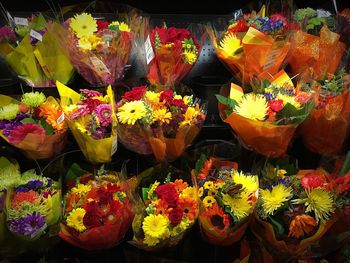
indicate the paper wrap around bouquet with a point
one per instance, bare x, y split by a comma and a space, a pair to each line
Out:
40, 65
262, 55
316, 56
326, 130
38, 146
265, 138
96, 151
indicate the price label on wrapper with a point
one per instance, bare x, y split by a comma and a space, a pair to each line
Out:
99, 65
20, 21
149, 50
114, 146
60, 119
36, 35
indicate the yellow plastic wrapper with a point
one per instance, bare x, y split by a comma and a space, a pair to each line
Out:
36, 146
96, 151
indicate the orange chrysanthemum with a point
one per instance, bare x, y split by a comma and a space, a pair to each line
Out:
52, 114
301, 225
180, 185
189, 206
21, 197
205, 170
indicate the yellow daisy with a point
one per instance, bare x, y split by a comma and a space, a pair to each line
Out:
152, 97
230, 45
189, 57
274, 199
190, 114
252, 107
75, 219
155, 226
208, 201
131, 112
83, 25
162, 115
209, 185
81, 189
249, 182
189, 192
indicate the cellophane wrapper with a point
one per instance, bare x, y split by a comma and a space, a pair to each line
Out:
35, 146
316, 56
279, 248
34, 227
96, 151
158, 173
106, 235
262, 55
42, 63
162, 53
209, 231
327, 128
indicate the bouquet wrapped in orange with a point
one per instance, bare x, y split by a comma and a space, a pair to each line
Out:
162, 123
293, 211
328, 127
98, 210
252, 46
317, 48
168, 209
228, 198
266, 119
36, 124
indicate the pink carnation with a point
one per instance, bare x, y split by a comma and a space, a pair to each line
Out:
80, 112
18, 134
104, 114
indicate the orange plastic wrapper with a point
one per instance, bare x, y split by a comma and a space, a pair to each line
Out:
327, 129
316, 56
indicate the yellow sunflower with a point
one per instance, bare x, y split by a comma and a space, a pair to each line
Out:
83, 25
131, 112
252, 107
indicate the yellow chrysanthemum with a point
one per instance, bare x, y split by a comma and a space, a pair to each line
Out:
81, 189
252, 107
83, 25
189, 192
162, 115
75, 219
152, 97
230, 44
318, 201
240, 206
150, 241
190, 114
189, 57
209, 185
274, 199
9, 112
155, 226
131, 112
289, 99
208, 201
249, 182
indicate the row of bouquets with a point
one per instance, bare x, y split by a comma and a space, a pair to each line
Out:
289, 211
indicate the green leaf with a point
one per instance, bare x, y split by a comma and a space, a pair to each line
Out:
145, 193
29, 120
226, 101
47, 127
74, 172
290, 113
277, 226
199, 164
40, 23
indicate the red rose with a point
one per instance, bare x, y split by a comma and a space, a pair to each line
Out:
168, 193
135, 94
167, 95
312, 181
175, 215
101, 25
91, 104
276, 105
91, 220
179, 104
104, 196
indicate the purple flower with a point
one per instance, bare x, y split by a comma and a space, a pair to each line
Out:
22, 189
90, 93
49, 182
21, 116
104, 114
98, 134
9, 126
80, 112
35, 184
28, 226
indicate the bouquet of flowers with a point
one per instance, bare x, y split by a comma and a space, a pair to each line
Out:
160, 122
90, 117
329, 124
36, 124
293, 211
253, 46
98, 210
31, 50
266, 119
98, 49
166, 212
228, 198
317, 49
169, 54
33, 211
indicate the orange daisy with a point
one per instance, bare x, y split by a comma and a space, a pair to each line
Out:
189, 206
52, 114
180, 185
162, 208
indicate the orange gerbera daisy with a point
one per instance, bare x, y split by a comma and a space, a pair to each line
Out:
301, 225
217, 218
52, 115
203, 173
189, 206
180, 185
162, 208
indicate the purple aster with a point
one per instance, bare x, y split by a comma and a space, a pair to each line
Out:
49, 182
80, 112
28, 226
21, 116
90, 93
8, 127
35, 184
22, 189
3, 123
104, 114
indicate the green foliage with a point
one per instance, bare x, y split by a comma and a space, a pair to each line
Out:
259, 86
314, 23
145, 193
199, 164
228, 102
290, 114
157, 41
335, 84
74, 172
302, 13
